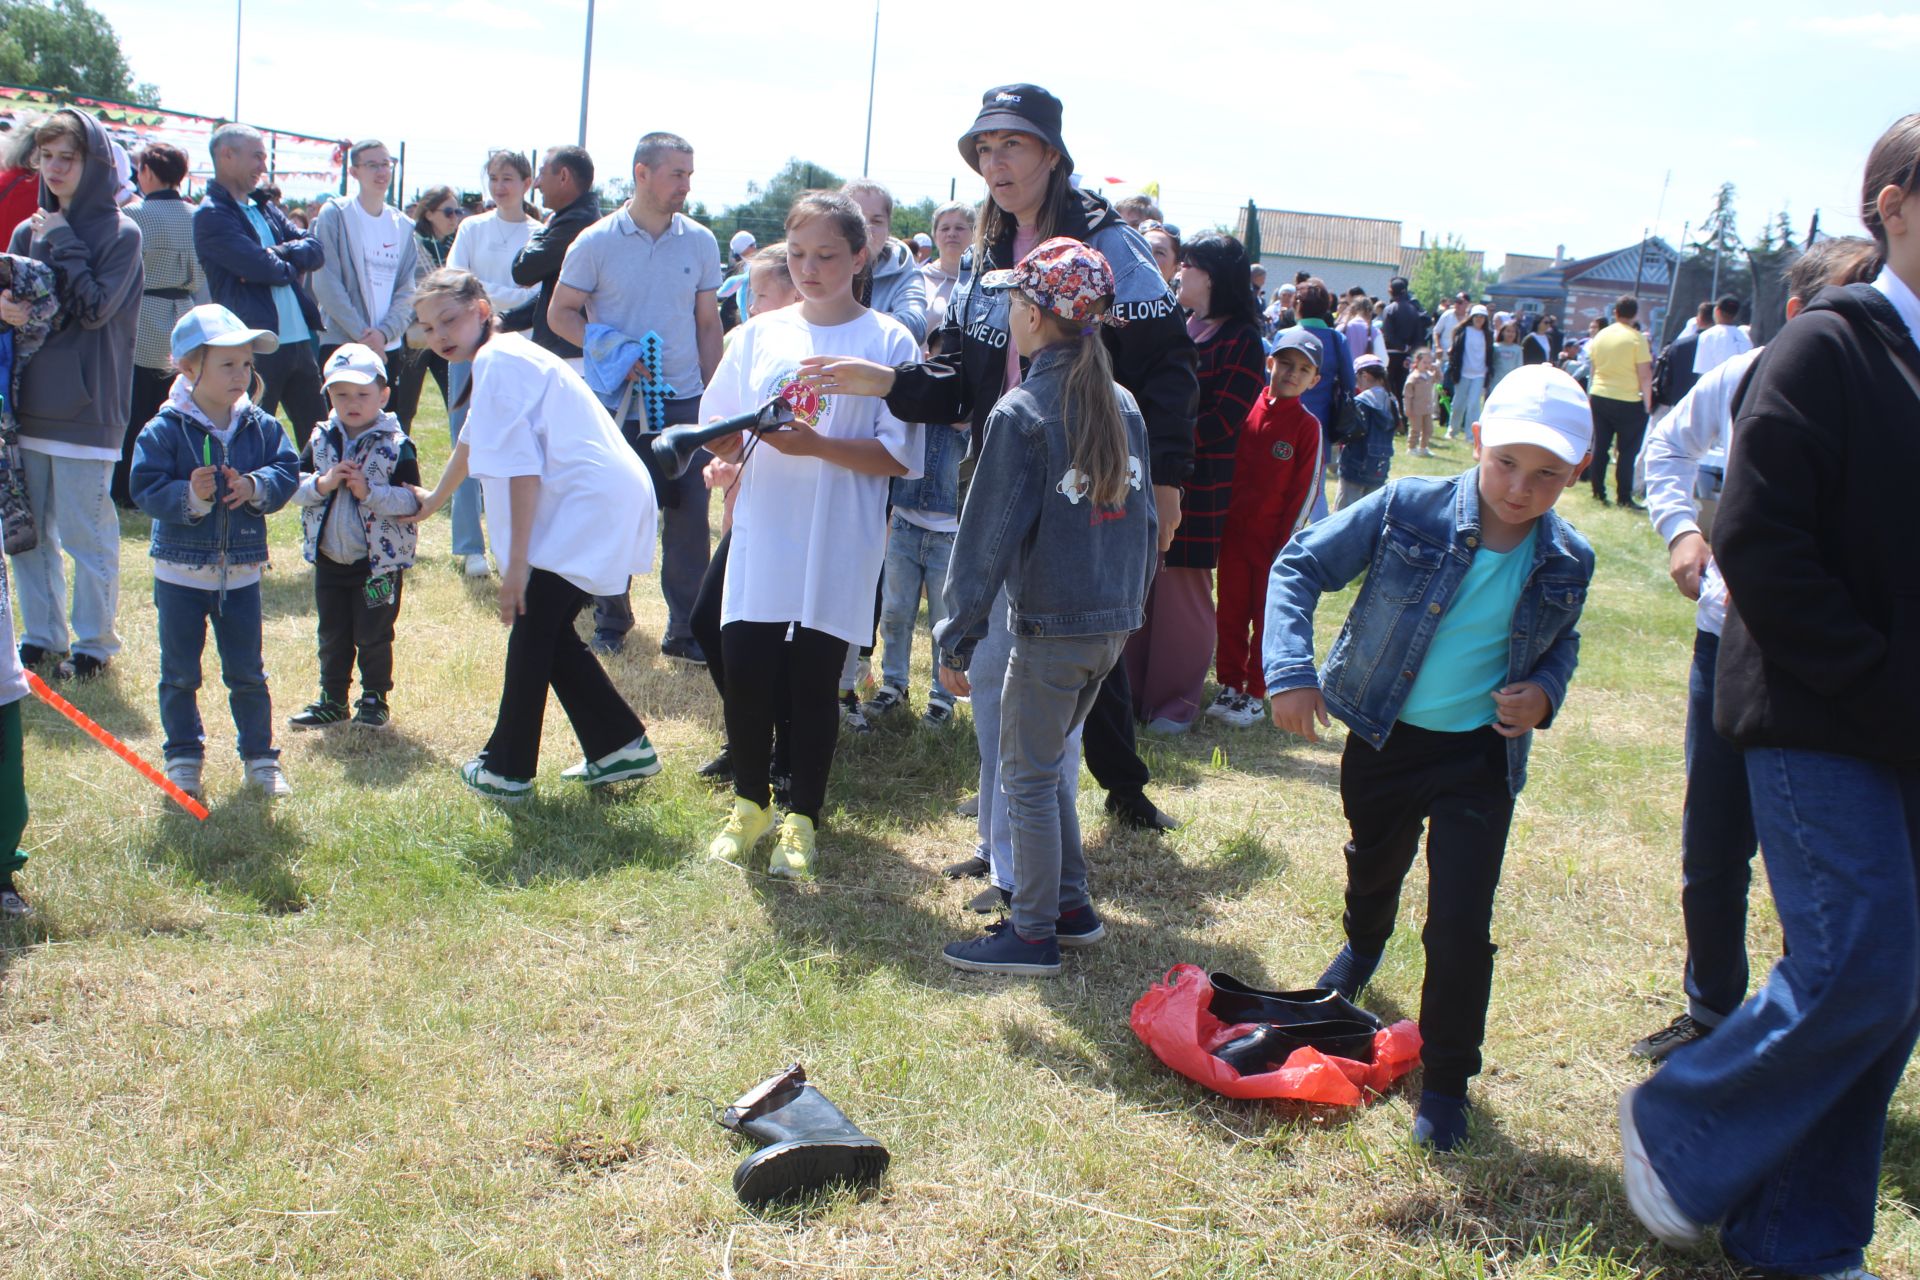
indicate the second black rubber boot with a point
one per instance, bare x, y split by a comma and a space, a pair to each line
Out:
807, 1143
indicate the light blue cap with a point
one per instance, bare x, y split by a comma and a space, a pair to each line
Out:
215, 326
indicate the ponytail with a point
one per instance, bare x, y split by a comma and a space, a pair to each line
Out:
1096, 433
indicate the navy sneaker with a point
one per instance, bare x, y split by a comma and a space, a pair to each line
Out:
1081, 928
1004, 951
1441, 1121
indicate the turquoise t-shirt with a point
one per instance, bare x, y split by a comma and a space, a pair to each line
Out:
292, 326
1467, 661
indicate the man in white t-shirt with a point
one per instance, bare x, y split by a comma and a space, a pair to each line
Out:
647, 267
365, 287
1725, 340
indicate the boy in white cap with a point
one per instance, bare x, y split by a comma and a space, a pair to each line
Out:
209, 469
357, 476
1461, 643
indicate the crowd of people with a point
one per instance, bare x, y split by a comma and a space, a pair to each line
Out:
1100, 453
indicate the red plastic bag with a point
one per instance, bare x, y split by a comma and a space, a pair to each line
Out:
1174, 1021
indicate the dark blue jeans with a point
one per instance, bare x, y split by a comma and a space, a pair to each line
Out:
183, 614
1772, 1126
1717, 845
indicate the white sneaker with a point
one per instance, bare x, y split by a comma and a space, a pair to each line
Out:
1223, 703
475, 566
1247, 711
1647, 1196
184, 773
265, 774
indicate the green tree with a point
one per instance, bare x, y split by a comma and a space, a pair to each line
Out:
66, 45
764, 212
1720, 232
1445, 270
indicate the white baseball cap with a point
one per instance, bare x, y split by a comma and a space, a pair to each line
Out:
354, 364
741, 242
1538, 404
924, 240
1478, 310
212, 325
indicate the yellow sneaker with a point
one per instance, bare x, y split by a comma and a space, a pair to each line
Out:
745, 826
792, 857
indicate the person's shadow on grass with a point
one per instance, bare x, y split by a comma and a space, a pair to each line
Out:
246, 847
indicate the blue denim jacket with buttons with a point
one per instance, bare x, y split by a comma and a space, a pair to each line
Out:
937, 488
164, 458
1414, 539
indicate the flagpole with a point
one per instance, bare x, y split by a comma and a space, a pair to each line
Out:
873, 72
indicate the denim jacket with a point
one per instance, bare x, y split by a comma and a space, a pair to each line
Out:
1368, 456
168, 451
1071, 568
937, 488
1414, 540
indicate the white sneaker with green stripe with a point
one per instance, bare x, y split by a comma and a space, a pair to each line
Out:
494, 786
635, 760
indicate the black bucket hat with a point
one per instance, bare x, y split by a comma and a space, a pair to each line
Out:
1022, 108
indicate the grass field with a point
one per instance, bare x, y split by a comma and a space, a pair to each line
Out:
387, 1031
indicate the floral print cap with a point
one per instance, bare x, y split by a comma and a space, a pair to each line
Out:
1064, 276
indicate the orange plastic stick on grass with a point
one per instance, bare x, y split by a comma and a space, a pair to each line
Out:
114, 745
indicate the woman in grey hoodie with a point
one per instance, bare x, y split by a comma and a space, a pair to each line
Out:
75, 395
899, 288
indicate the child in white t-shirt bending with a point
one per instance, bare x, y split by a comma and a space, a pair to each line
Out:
809, 527
570, 513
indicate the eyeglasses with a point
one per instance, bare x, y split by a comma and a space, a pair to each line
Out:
1151, 225
376, 166
451, 211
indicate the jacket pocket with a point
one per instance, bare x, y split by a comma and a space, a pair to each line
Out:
1405, 566
54, 386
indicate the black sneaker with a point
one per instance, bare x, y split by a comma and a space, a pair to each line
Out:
851, 716
1080, 928
968, 868
82, 666
686, 651
1684, 1029
607, 646
886, 699
12, 905
938, 715
32, 655
371, 713
1133, 809
989, 900
718, 769
321, 713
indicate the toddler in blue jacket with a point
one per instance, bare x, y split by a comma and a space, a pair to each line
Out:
208, 469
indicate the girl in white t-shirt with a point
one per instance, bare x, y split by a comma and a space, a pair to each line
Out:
486, 244
809, 525
571, 513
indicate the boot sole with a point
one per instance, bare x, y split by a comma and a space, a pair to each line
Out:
626, 773
790, 1169
1087, 939
1002, 967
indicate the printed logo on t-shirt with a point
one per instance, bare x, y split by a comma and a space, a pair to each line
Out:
1282, 450
808, 404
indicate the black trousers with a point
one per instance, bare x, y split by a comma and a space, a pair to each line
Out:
412, 379
704, 622
1107, 740
1457, 784
150, 387
291, 377
1397, 373
759, 658
352, 626
1622, 423
544, 650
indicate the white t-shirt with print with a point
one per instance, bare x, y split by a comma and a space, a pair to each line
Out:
381, 238
530, 415
809, 537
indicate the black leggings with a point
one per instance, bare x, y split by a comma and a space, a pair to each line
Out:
543, 650
759, 660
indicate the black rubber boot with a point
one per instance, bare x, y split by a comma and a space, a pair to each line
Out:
806, 1143
1235, 1001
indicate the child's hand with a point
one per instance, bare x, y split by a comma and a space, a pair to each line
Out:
955, 682
1521, 708
727, 451
1296, 710
513, 592
796, 441
240, 488
847, 375
356, 480
202, 480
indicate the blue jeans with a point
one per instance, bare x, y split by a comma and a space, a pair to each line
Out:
183, 614
1717, 845
1772, 1126
468, 537
1050, 687
74, 513
916, 558
988, 673
1466, 406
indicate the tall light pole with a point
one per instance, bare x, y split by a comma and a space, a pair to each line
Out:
586, 74
873, 71
238, 7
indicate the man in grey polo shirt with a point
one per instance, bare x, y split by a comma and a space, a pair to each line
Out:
647, 266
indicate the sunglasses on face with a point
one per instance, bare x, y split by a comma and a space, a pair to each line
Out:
451, 211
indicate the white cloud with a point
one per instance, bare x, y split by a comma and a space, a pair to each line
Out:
490, 14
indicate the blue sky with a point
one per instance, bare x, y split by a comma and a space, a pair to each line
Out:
1516, 130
